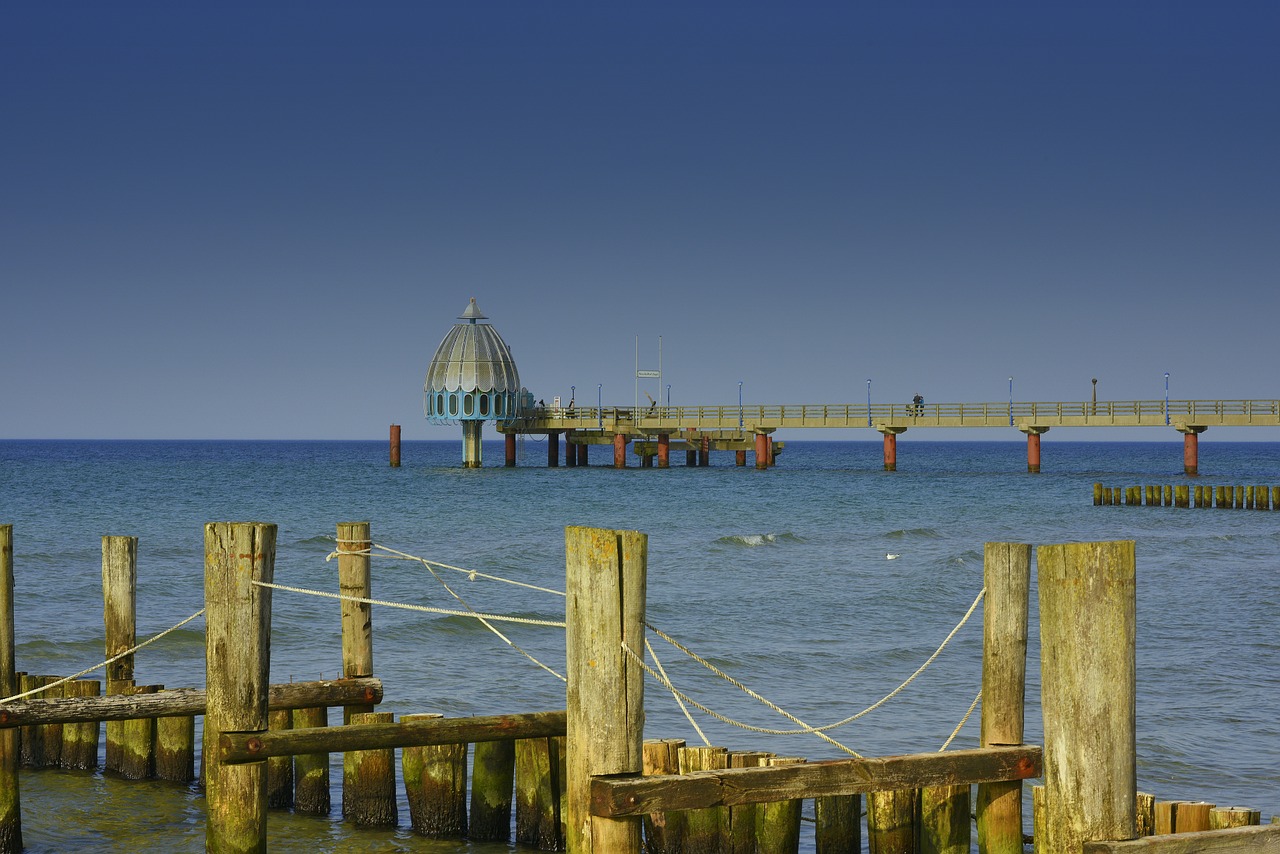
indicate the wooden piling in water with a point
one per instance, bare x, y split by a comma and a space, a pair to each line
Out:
837, 824
705, 830
742, 817
1221, 818
311, 770
944, 820
137, 745
80, 740
435, 784
893, 821
237, 659
119, 614
778, 822
395, 446
605, 601
369, 780
1087, 632
31, 737
10, 798
539, 776
493, 766
175, 748
1192, 817
663, 832
51, 733
355, 580
1007, 578
279, 768
1144, 814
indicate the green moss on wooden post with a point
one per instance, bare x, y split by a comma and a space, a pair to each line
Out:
435, 783
311, 770
10, 759
369, 780
493, 768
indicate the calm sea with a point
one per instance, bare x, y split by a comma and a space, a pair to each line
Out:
779, 578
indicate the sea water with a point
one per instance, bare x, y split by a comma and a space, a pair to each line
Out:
781, 579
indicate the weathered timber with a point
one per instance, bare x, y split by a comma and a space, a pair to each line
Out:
605, 581
638, 795
183, 701
1007, 578
539, 790
175, 748
944, 819
663, 832
1262, 839
10, 799
435, 784
280, 768
311, 770
837, 825
493, 766
236, 748
369, 780
1221, 818
80, 740
742, 818
1088, 608
705, 830
893, 822
778, 822
237, 662
1144, 814
355, 579
137, 744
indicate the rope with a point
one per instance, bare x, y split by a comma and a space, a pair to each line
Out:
762, 730
471, 574
111, 660
851, 718
960, 725
683, 708
449, 612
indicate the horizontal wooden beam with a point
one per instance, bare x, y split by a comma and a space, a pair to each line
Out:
1259, 839
237, 748
622, 796
183, 701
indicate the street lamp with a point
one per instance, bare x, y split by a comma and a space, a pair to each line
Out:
600, 405
668, 397
868, 403
1010, 401
1166, 398
572, 395
739, 404
1095, 395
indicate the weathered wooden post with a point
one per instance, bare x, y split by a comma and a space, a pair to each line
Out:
893, 821
493, 766
539, 784
664, 831
10, 802
280, 768
1006, 571
944, 820
706, 829
837, 823
742, 817
175, 748
1087, 639
311, 770
80, 741
119, 615
395, 446
778, 822
369, 780
435, 785
604, 610
354, 579
237, 661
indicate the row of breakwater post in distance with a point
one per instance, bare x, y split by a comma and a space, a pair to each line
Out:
585, 778
1185, 495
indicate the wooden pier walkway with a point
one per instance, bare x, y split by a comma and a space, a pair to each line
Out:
656, 430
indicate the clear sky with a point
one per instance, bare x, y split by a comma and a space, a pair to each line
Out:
235, 220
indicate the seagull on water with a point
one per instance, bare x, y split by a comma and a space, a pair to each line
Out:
892, 556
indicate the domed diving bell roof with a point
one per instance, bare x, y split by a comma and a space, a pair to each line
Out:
472, 357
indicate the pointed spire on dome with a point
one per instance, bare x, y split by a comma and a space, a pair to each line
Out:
472, 312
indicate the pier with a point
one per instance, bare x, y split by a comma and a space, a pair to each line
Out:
655, 431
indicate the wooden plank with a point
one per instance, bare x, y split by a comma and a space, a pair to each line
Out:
1259, 839
184, 701
638, 795
235, 748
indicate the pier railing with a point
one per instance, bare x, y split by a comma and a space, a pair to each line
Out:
1134, 413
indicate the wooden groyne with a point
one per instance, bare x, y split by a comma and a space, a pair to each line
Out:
586, 779
1257, 497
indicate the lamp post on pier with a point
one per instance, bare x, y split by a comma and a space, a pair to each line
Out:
868, 403
1166, 398
739, 404
600, 405
1095, 396
1010, 401
668, 399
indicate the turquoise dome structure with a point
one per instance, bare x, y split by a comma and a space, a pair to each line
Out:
472, 378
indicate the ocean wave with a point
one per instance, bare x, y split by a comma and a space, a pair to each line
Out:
908, 533
751, 541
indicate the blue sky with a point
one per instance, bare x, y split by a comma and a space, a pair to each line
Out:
259, 220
